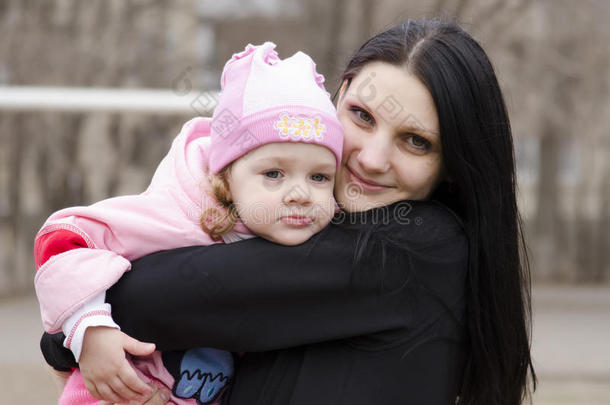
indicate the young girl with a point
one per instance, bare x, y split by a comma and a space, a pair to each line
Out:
263, 165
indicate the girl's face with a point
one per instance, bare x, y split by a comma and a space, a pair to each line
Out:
392, 147
283, 192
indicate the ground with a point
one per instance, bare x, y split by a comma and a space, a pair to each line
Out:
570, 346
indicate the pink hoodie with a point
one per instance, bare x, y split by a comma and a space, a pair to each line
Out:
122, 229
81, 251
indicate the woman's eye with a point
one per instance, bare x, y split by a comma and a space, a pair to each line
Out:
272, 174
418, 142
362, 115
319, 177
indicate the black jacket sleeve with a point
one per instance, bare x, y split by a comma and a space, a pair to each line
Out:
255, 295
54, 352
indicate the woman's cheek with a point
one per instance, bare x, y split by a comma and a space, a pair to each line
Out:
351, 134
431, 176
418, 178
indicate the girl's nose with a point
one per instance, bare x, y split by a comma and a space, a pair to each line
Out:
297, 194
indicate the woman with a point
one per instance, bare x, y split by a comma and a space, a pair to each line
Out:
416, 294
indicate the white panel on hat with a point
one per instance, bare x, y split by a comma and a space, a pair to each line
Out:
289, 82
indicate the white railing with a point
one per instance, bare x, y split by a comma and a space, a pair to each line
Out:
83, 99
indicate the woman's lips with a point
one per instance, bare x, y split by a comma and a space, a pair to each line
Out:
298, 221
367, 185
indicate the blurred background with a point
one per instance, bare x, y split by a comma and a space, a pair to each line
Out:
62, 146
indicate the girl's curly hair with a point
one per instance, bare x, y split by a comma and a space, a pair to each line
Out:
214, 221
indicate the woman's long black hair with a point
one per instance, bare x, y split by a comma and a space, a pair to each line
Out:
479, 161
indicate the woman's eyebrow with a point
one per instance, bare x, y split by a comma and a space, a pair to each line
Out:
353, 98
418, 129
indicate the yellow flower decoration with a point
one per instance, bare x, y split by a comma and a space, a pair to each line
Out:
302, 127
319, 128
283, 125
297, 127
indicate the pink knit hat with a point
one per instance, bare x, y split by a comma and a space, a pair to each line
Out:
265, 99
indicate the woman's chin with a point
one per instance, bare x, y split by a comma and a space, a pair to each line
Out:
363, 202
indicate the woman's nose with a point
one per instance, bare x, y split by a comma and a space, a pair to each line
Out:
374, 155
297, 194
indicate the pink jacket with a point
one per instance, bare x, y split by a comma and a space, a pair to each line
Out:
122, 229
81, 251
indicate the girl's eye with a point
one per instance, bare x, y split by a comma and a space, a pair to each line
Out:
362, 115
272, 174
418, 142
318, 177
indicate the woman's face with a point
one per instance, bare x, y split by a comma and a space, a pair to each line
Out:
392, 147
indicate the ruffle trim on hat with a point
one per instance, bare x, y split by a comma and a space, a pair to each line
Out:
266, 52
318, 77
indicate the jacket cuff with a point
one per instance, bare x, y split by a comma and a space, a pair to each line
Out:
94, 313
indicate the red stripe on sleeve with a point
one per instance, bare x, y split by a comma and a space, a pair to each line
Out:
54, 243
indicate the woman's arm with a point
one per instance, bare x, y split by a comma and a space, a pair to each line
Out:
255, 295
55, 354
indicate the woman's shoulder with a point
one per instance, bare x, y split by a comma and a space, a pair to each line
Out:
405, 233
421, 222
433, 216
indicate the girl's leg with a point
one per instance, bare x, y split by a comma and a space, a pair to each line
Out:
75, 392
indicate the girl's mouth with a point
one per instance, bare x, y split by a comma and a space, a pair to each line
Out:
298, 221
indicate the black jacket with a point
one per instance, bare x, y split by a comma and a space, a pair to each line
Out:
368, 311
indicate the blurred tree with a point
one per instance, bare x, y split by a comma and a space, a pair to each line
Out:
552, 59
